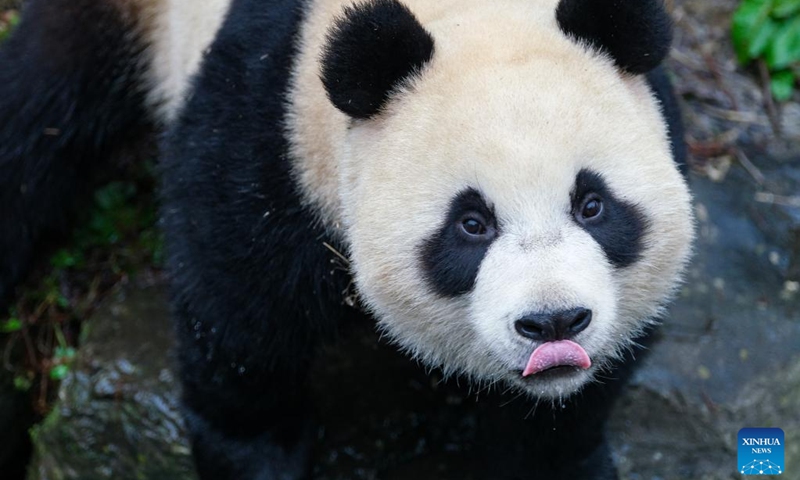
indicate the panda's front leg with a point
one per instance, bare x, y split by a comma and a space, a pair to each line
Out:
247, 337
249, 426
245, 401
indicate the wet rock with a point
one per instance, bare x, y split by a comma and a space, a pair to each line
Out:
728, 355
117, 414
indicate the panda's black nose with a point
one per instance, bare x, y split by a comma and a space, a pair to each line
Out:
549, 326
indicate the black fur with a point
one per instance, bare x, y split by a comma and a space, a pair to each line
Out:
637, 34
563, 440
671, 111
621, 226
254, 290
70, 90
450, 260
371, 50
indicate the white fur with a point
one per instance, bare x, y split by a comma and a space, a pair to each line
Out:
179, 32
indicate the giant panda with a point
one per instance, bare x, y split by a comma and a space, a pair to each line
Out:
503, 179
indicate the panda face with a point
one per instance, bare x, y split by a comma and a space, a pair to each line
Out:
515, 207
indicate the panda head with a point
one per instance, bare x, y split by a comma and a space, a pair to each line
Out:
510, 201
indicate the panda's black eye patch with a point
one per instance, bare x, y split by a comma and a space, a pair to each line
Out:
452, 256
617, 226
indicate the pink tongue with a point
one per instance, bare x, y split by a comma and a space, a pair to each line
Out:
557, 354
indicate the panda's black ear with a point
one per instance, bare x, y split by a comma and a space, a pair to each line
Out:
371, 50
636, 33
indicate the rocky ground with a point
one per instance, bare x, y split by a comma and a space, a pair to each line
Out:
727, 356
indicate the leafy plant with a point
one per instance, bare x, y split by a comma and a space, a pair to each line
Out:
769, 31
8, 20
11, 325
63, 355
116, 237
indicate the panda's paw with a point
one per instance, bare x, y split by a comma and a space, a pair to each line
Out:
238, 455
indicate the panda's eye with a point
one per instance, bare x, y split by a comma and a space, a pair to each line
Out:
591, 208
474, 226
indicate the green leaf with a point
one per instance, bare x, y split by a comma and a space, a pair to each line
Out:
761, 38
22, 384
59, 372
11, 325
65, 258
62, 301
782, 85
785, 8
63, 354
11, 21
748, 29
114, 195
784, 47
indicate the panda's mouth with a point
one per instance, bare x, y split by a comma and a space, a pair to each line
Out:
556, 355
557, 371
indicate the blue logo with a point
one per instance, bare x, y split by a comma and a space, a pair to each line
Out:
761, 451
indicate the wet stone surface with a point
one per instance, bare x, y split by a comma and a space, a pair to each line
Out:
117, 414
728, 355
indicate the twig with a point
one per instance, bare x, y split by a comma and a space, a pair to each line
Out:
708, 149
772, 110
773, 199
734, 115
41, 403
7, 365
30, 349
713, 67
748, 165
337, 253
